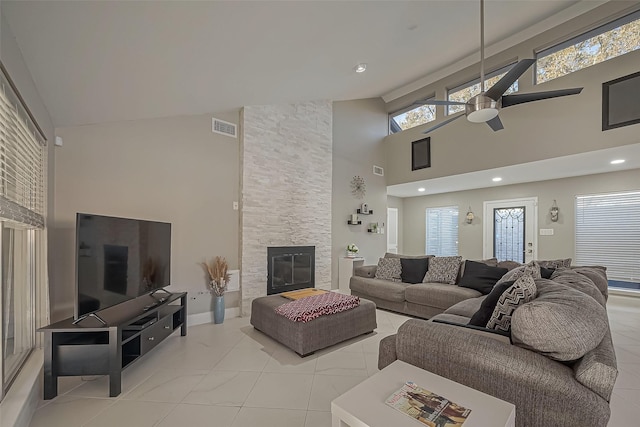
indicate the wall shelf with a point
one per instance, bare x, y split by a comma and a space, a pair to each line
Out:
354, 223
370, 212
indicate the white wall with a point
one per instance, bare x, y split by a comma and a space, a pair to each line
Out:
398, 203
359, 128
172, 170
560, 245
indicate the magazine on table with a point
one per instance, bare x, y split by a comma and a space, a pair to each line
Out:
429, 408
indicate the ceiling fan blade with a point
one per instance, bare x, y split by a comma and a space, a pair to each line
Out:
498, 89
439, 102
495, 124
439, 125
521, 98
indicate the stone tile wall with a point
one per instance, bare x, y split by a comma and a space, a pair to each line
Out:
286, 164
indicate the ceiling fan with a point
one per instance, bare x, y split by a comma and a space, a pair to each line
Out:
484, 108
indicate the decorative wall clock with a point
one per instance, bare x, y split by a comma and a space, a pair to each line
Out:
358, 187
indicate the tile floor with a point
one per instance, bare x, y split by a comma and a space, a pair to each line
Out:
233, 376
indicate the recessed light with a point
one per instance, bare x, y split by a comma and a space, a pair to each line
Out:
497, 179
421, 189
617, 161
360, 68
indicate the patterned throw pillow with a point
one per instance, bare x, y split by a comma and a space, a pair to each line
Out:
521, 292
443, 269
389, 269
556, 263
532, 269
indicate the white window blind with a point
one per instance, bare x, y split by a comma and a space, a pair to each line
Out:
22, 163
608, 233
442, 231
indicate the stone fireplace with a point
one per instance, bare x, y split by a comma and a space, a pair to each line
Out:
290, 268
286, 182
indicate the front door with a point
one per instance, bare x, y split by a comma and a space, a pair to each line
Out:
510, 229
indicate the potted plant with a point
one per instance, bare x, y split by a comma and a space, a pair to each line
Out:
219, 277
352, 250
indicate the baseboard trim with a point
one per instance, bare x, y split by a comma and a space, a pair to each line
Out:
207, 316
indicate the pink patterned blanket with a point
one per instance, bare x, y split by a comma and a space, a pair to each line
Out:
309, 308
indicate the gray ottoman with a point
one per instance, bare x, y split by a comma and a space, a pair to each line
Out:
306, 338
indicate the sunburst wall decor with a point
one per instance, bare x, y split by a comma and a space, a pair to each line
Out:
358, 187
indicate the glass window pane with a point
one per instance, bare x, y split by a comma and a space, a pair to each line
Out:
18, 324
469, 90
508, 234
601, 45
412, 118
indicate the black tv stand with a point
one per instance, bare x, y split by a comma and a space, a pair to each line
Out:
118, 337
94, 315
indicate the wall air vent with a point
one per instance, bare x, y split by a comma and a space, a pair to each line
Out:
224, 128
377, 170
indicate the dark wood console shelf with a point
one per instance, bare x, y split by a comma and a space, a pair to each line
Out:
90, 348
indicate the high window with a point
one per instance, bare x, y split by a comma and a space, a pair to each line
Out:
22, 206
601, 44
607, 233
470, 89
442, 231
411, 117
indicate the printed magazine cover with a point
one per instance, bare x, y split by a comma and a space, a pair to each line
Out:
429, 408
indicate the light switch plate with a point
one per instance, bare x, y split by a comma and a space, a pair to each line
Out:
235, 206
546, 231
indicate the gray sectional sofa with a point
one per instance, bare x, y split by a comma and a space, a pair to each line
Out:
558, 366
413, 299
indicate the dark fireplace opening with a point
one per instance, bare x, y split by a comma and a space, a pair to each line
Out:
290, 268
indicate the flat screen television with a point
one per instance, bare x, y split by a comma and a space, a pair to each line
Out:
118, 259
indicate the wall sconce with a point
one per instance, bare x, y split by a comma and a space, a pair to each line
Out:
554, 211
470, 216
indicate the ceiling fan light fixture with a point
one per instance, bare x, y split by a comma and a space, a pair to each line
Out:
481, 109
360, 68
482, 116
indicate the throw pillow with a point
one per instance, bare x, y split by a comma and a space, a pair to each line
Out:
482, 316
413, 270
509, 265
555, 263
522, 291
561, 323
480, 276
532, 269
390, 255
546, 273
389, 269
443, 269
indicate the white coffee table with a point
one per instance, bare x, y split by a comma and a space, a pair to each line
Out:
363, 405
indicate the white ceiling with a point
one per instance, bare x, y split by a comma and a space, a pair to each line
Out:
109, 61
593, 162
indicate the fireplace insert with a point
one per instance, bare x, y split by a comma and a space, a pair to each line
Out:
290, 268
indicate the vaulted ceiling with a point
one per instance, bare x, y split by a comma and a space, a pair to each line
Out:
98, 62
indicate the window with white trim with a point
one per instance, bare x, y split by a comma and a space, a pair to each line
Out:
442, 231
598, 45
22, 208
468, 90
608, 234
411, 117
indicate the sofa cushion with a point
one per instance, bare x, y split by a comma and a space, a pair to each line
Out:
389, 269
382, 289
480, 276
522, 291
390, 255
598, 274
467, 307
443, 269
555, 263
546, 273
532, 269
580, 282
483, 314
413, 269
597, 369
561, 323
438, 295
509, 265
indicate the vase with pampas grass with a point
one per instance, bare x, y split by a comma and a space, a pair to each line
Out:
217, 269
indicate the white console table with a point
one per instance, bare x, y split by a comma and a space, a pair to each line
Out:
345, 271
363, 405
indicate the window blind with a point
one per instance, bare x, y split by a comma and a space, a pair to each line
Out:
442, 231
608, 233
22, 163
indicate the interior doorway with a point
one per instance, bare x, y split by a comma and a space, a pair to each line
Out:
510, 229
392, 230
